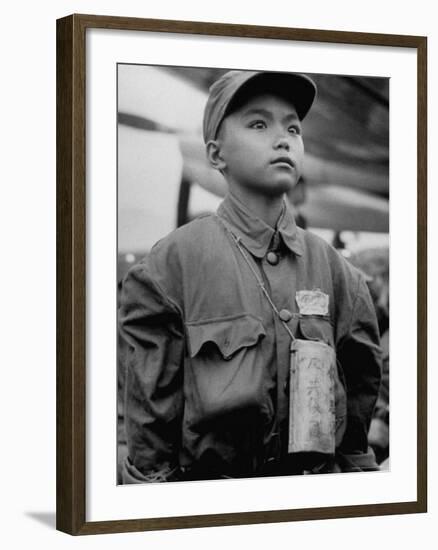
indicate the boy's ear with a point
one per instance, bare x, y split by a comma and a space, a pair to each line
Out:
214, 155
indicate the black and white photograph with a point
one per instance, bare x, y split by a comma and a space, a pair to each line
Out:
253, 274
219, 275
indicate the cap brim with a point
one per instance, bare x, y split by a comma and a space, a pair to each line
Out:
298, 88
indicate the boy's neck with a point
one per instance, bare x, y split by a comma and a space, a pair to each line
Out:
264, 207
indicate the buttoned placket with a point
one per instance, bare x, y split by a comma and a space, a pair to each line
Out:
275, 261
281, 287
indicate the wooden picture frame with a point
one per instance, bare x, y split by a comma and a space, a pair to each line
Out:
71, 273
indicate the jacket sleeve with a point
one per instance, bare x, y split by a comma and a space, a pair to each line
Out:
150, 325
360, 356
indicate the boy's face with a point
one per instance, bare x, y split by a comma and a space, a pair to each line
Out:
261, 146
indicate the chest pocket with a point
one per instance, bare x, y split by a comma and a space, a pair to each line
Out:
316, 327
227, 335
225, 371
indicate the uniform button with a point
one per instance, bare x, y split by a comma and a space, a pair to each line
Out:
285, 315
272, 258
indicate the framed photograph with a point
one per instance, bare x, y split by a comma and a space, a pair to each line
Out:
241, 274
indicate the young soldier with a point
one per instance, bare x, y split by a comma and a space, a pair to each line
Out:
211, 315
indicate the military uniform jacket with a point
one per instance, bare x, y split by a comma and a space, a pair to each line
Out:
207, 360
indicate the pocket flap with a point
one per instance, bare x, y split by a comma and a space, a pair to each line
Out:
229, 335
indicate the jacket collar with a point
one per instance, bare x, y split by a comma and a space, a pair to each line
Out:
257, 235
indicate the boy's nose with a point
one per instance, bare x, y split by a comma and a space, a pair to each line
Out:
282, 143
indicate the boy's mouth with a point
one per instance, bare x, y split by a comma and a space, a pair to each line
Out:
284, 160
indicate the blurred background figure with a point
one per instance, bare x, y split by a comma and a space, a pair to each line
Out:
164, 179
375, 264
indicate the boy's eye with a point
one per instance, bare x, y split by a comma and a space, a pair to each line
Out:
258, 124
294, 129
